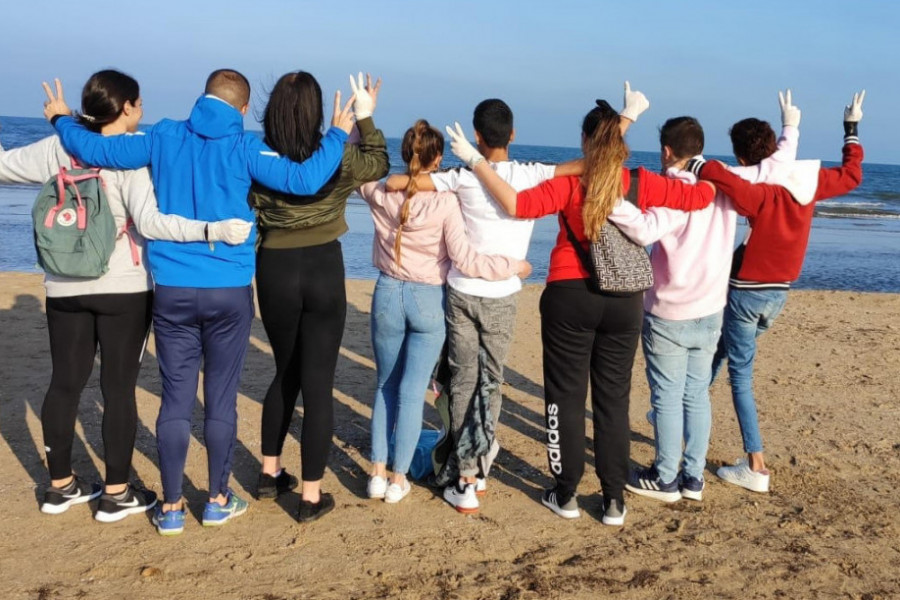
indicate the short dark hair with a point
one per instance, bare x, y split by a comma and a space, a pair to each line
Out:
683, 135
230, 86
752, 140
292, 123
493, 120
104, 96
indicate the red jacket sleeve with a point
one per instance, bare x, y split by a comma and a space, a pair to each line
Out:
548, 198
748, 198
837, 181
656, 190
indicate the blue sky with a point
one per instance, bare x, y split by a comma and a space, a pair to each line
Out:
717, 61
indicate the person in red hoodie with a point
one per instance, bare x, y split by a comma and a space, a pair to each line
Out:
780, 218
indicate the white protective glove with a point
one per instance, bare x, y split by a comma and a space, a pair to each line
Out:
852, 116
461, 147
230, 231
364, 104
790, 114
635, 103
853, 111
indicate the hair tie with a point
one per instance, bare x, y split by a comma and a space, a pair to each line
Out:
88, 118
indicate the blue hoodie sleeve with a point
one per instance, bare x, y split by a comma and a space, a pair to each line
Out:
112, 152
281, 174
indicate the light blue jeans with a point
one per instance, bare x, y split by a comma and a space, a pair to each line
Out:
408, 332
748, 314
679, 358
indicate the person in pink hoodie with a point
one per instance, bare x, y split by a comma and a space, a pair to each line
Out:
691, 260
417, 237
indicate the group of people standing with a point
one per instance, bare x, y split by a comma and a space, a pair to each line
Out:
450, 247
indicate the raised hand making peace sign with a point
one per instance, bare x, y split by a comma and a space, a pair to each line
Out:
55, 105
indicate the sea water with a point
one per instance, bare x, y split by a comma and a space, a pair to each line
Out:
854, 245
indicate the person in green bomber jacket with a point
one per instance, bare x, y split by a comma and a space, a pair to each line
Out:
300, 279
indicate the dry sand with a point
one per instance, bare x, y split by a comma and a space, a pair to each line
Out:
828, 386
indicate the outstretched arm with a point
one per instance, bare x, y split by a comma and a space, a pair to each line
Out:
34, 163
840, 180
137, 194
117, 151
656, 190
283, 175
397, 182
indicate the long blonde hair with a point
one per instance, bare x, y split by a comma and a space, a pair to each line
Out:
605, 152
422, 144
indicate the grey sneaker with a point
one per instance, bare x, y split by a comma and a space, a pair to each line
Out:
568, 510
614, 512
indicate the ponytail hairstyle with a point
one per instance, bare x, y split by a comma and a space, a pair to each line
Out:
292, 122
604, 154
104, 96
421, 146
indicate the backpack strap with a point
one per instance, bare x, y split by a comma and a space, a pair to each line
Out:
126, 231
586, 261
634, 187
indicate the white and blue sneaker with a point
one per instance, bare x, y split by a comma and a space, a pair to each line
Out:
170, 522
215, 514
647, 482
692, 487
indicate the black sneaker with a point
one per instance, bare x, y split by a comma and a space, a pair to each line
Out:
614, 512
311, 511
58, 500
132, 501
269, 487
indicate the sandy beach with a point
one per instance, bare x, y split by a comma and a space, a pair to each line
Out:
828, 380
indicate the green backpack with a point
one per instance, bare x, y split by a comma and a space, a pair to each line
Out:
74, 229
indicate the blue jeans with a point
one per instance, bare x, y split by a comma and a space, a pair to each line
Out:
408, 333
748, 314
679, 358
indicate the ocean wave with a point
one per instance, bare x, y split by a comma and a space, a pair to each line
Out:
850, 204
850, 212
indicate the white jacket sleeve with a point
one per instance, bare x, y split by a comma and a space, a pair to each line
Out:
34, 163
138, 197
649, 227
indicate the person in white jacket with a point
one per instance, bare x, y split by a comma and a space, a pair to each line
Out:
112, 310
691, 260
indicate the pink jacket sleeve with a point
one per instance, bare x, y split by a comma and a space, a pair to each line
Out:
464, 256
373, 193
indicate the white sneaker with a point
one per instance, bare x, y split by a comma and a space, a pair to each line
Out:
740, 474
377, 487
463, 500
395, 492
481, 486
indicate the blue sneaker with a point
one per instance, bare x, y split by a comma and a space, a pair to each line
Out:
692, 487
646, 482
215, 514
169, 522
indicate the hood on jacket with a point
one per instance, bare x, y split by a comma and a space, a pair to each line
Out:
212, 117
801, 178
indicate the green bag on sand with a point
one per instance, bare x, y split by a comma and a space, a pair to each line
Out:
74, 229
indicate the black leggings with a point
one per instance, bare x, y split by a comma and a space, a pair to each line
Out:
119, 323
587, 335
303, 303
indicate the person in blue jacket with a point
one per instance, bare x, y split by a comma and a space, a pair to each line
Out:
202, 168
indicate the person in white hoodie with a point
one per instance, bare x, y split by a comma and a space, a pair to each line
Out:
112, 310
691, 260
